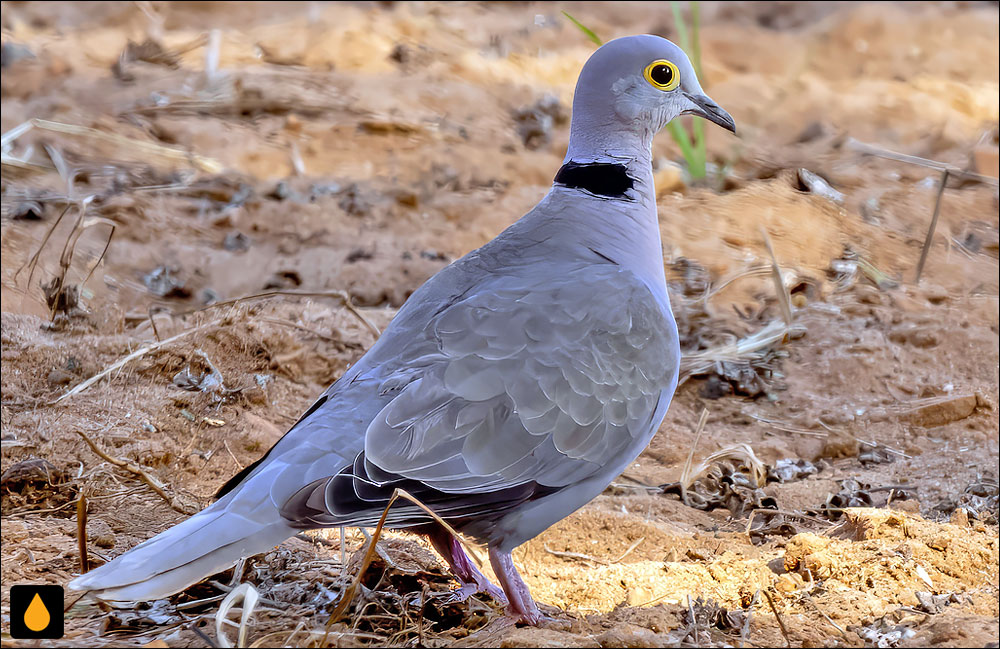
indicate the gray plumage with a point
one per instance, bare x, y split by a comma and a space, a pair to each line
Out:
508, 391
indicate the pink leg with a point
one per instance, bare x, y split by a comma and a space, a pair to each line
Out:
522, 607
464, 570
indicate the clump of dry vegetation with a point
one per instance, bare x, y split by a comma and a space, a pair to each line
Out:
208, 214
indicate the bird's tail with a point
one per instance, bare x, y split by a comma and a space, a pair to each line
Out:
243, 523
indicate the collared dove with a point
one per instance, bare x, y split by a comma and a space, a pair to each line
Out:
508, 391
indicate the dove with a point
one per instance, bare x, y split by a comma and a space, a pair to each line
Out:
509, 390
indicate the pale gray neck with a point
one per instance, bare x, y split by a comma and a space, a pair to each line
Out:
593, 139
625, 231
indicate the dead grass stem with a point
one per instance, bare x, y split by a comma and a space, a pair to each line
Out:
694, 621
139, 353
933, 226
779, 286
203, 163
742, 452
753, 271
788, 428
134, 469
54, 290
81, 533
879, 152
749, 347
807, 597
686, 473
586, 557
349, 593
343, 296
777, 616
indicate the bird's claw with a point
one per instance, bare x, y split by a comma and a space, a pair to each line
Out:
465, 591
456, 596
538, 619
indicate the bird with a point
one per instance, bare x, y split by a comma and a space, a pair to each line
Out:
508, 391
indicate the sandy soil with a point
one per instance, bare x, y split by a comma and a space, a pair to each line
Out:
360, 148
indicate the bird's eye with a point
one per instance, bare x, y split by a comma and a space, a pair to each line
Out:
662, 75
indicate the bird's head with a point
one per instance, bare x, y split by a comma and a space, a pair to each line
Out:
637, 84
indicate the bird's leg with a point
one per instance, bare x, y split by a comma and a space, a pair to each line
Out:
464, 570
522, 607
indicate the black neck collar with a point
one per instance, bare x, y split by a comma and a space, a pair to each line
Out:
605, 179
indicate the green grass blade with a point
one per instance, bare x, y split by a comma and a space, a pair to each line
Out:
683, 140
695, 39
698, 125
586, 30
682, 31
692, 144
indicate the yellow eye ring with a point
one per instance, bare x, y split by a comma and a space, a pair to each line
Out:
662, 75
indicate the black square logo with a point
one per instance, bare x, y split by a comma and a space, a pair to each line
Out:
36, 611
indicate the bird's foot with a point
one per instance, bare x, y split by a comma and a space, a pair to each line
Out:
473, 581
492, 590
538, 619
456, 596
530, 618
467, 590
522, 607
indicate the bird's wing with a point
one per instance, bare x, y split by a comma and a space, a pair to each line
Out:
539, 379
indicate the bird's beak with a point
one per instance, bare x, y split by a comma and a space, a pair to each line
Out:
705, 107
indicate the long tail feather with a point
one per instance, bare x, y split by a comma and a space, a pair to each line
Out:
242, 524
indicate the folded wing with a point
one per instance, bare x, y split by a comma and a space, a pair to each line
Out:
531, 384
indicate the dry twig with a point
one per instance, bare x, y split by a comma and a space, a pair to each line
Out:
348, 594
826, 617
134, 469
341, 295
932, 226
777, 616
743, 349
685, 474
147, 148
587, 557
81, 533
142, 351
879, 152
779, 285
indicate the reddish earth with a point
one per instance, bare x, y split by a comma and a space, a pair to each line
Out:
360, 148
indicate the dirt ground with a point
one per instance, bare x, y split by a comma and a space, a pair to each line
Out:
356, 149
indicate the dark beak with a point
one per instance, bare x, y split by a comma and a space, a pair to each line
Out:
711, 111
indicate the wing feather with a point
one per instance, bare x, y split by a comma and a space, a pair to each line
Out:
539, 379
